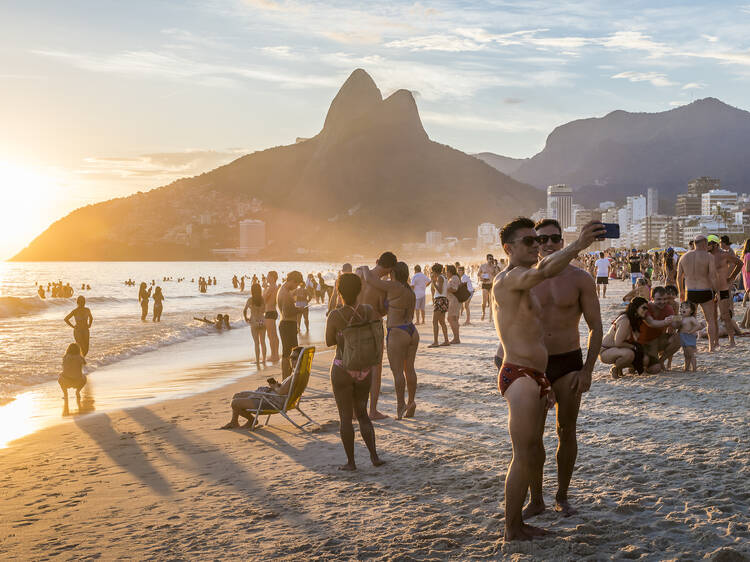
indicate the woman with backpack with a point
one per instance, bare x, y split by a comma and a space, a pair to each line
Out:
454, 305
347, 328
402, 340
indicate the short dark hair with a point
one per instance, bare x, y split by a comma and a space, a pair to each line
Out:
725, 240
350, 286
387, 260
417, 268
601, 254
451, 269
672, 290
658, 291
548, 222
509, 230
295, 276
437, 268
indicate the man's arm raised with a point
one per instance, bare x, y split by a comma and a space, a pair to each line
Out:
524, 279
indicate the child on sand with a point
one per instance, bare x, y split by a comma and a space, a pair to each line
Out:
689, 328
72, 375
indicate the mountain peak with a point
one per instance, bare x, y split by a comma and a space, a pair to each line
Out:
357, 96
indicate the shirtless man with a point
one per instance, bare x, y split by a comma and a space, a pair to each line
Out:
376, 298
84, 319
288, 324
564, 298
521, 380
271, 315
698, 283
722, 260
487, 272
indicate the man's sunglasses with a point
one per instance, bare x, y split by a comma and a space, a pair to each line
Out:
554, 238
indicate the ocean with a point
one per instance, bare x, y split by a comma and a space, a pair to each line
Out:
34, 336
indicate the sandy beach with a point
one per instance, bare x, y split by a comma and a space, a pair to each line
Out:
662, 472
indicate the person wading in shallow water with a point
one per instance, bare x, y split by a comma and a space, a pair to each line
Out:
81, 328
271, 315
521, 378
564, 298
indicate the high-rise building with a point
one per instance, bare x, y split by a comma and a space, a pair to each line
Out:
713, 201
433, 238
487, 234
652, 201
560, 204
252, 236
688, 204
604, 205
701, 185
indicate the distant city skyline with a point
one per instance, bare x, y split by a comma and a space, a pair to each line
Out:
101, 100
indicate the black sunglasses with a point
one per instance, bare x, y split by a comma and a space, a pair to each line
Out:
528, 240
554, 238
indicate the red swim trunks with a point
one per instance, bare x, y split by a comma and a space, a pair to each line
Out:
509, 372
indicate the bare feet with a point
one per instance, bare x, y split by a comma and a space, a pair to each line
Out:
516, 535
444, 344
532, 509
400, 409
436, 344
377, 461
410, 409
375, 415
615, 372
455, 341
534, 531
348, 467
562, 506
248, 424
230, 425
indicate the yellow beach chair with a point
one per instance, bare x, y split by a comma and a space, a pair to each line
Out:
301, 376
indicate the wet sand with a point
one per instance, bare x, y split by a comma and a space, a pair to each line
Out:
662, 473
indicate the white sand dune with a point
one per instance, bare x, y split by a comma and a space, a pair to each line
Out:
662, 473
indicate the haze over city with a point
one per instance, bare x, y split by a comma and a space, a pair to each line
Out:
103, 100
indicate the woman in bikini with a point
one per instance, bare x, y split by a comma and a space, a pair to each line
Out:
257, 321
402, 340
619, 346
351, 389
440, 305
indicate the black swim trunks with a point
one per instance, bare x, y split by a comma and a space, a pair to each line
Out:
561, 364
288, 334
487, 286
271, 315
723, 295
699, 296
602, 281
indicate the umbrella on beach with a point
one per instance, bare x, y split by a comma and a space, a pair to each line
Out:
654, 250
680, 250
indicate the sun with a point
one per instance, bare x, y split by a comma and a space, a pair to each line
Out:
28, 199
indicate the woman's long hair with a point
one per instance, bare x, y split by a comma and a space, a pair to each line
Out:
256, 295
669, 259
746, 249
632, 313
401, 274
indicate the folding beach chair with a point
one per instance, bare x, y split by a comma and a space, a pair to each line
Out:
300, 378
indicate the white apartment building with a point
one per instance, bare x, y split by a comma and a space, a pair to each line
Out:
560, 204
252, 236
652, 202
713, 201
434, 238
487, 235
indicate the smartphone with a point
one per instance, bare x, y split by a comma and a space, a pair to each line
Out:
613, 230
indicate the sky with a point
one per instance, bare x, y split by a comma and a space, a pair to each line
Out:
100, 99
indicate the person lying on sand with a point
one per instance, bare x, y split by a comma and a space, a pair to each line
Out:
221, 322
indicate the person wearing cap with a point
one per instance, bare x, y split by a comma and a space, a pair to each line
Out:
487, 272
698, 283
723, 260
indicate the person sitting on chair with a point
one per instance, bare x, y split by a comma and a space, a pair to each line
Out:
245, 403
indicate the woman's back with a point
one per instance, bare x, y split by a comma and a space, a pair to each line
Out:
401, 303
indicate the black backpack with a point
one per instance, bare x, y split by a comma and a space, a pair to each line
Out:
462, 293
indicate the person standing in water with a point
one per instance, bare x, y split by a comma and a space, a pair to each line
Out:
158, 304
84, 319
271, 314
256, 305
143, 296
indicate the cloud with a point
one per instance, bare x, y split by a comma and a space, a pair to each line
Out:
654, 78
166, 65
437, 43
512, 101
694, 86
710, 38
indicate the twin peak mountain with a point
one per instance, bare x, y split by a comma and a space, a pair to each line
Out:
369, 181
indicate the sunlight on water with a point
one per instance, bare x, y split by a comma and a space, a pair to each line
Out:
17, 418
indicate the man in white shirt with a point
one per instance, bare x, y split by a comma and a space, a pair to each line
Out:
602, 274
419, 282
465, 305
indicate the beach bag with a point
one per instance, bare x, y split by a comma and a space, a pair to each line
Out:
363, 343
462, 293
